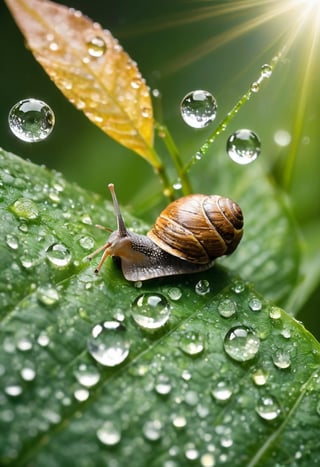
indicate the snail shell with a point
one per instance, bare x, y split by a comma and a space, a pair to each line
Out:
199, 228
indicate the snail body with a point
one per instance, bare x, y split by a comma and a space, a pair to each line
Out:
189, 234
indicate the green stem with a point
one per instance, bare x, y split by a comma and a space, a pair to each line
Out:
160, 170
253, 89
175, 156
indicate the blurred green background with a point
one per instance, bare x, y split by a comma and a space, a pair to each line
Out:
182, 45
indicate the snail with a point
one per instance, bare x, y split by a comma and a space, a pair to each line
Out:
189, 234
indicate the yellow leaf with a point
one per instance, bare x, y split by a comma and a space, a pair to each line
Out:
91, 69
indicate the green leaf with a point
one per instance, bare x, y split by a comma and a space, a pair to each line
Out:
184, 394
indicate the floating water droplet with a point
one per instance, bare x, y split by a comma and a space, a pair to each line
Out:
241, 343
198, 108
31, 120
109, 433
192, 343
266, 71
281, 359
81, 394
222, 391
87, 375
25, 208
259, 377
96, 47
282, 138
12, 241
227, 308
109, 344
86, 242
58, 255
152, 430
268, 408
151, 310
202, 287
275, 313
255, 304
48, 296
243, 146
28, 373
174, 293
163, 385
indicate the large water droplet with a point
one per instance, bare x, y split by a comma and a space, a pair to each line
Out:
198, 108
25, 208
202, 287
227, 308
109, 433
241, 343
109, 344
243, 146
58, 255
192, 343
31, 120
151, 310
268, 408
96, 47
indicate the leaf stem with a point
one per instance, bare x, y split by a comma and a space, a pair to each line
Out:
265, 72
183, 177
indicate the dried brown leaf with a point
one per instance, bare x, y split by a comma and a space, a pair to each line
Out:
91, 69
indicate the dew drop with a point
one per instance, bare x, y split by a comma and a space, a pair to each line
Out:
191, 453
266, 71
58, 255
151, 310
12, 242
202, 287
96, 47
109, 433
87, 376
259, 377
31, 120
13, 390
255, 304
268, 408
25, 208
136, 83
241, 343
255, 86
192, 343
81, 394
24, 344
281, 359
163, 385
238, 287
198, 108
275, 313
43, 340
208, 460
86, 242
222, 391
48, 296
28, 373
152, 430
174, 293
109, 344
179, 421
227, 308
243, 146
